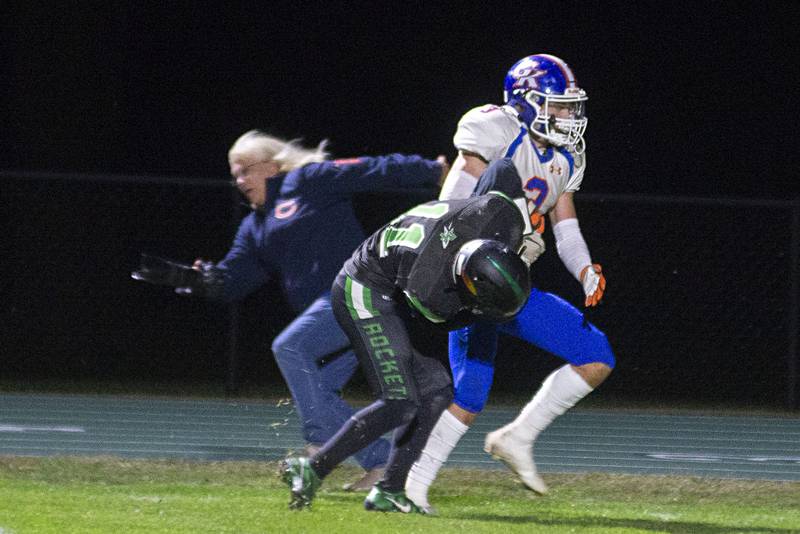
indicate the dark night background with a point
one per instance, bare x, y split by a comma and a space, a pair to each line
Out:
685, 100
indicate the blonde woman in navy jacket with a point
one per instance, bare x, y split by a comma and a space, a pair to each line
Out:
300, 232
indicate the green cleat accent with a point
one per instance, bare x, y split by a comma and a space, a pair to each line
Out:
380, 500
302, 481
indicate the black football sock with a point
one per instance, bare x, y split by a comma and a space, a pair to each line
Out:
409, 440
363, 428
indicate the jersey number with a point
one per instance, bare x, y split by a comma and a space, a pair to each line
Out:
538, 189
412, 235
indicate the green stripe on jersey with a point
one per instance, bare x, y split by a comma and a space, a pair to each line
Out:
429, 315
501, 194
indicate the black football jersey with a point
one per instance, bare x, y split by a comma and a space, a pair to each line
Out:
413, 255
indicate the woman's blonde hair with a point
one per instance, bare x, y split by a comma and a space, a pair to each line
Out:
289, 155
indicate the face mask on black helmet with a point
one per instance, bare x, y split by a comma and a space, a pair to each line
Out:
540, 84
492, 280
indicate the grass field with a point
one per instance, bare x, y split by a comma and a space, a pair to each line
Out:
111, 495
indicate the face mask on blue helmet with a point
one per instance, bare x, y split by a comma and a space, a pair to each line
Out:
550, 103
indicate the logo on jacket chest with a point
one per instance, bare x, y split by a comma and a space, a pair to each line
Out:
286, 208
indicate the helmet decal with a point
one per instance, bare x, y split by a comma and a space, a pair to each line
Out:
526, 73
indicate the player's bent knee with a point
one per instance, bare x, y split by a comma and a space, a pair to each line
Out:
471, 401
438, 400
285, 347
472, 385
593, 374
284, 356
401, 410
594, 349
606, 358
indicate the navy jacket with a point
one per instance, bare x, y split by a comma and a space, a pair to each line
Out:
307, 228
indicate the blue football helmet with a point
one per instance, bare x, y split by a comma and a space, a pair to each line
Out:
542, 86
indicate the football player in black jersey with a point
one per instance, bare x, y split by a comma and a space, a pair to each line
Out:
449, 262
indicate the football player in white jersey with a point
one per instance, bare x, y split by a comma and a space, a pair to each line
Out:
540, 128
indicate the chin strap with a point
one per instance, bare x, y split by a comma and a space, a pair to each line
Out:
527, 114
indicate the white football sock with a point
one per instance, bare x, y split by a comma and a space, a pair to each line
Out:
443, 439
559, 392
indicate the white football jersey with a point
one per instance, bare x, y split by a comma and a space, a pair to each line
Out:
495, 132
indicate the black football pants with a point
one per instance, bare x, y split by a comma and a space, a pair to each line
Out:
412, 390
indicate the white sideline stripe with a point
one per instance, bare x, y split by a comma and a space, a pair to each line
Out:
357, 293
709, 458
26, 428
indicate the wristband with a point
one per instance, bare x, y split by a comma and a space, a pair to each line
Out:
571, 246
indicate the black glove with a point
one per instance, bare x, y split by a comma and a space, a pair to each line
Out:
205, 282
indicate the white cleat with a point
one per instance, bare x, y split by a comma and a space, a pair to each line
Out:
517, 455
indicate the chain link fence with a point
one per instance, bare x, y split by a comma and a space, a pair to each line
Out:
702, 299
702, 295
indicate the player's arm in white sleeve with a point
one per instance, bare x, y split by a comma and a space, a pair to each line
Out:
573, 251
483, 134
463, 175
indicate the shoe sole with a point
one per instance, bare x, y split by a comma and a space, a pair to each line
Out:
489, 449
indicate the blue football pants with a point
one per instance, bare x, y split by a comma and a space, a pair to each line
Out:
546, 321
